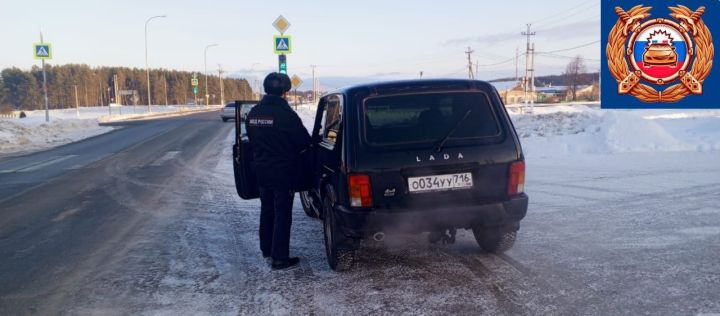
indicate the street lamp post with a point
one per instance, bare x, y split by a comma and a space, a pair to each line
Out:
147, 67
207, 94
254, 79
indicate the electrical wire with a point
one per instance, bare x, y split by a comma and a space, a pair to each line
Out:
571, 48
566, 57
554, 16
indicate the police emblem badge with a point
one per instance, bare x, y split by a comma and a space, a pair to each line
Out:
660, 60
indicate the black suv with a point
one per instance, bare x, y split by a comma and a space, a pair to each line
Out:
412, 156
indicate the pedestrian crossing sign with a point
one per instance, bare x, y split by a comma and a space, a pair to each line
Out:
282, 44
42, 51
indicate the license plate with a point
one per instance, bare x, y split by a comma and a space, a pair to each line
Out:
445, 182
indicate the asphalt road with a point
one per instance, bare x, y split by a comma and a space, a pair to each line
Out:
146, 220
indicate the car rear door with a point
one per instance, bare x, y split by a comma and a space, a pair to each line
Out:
245, 179
426, 176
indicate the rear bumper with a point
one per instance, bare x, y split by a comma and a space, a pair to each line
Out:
227, 115
361, 223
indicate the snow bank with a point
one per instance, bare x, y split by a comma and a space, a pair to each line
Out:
582, 129
29, 135
307, 115
66, 125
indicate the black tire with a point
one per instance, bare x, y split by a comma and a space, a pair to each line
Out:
338, 259
306, 202
494, 240
224, 119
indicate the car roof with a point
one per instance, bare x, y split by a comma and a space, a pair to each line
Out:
423, 85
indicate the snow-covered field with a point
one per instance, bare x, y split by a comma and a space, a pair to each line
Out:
580, 129
66, 125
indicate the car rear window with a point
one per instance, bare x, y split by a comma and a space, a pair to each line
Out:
425, 119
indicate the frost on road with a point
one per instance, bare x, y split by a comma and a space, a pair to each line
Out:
607, 232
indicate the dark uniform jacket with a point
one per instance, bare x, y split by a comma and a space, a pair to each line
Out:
277, 137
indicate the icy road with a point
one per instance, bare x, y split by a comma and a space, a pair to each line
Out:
145, 220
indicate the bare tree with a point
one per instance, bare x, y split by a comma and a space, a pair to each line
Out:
573, 73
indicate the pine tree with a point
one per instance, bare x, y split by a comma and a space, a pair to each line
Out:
23, 89
3, 92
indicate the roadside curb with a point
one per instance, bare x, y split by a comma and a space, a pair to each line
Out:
103, 122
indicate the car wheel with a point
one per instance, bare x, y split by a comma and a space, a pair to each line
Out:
338, 259
225, 120
494, 240
306, 201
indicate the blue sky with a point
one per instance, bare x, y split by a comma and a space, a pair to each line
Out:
359, 39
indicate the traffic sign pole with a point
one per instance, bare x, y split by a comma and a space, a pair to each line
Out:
194, 82
45, 89
296, 82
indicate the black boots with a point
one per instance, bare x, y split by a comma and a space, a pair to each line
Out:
284, 264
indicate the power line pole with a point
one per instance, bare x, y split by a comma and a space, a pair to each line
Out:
207, 93
166, 96
314, 88
470, 64
517, 63
222, 88
532, 74
147, 67
527, 61
77, 102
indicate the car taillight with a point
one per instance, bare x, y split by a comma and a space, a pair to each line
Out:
516, 182
360, 191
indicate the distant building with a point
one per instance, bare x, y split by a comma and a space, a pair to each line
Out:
553, 94
512, 92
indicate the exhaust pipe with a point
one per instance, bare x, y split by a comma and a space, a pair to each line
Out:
379, 236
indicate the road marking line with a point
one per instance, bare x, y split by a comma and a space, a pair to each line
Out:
168, 155
38, 164
46, 163
89, 162
65, 213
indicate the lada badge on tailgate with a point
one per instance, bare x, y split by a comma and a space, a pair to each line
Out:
437, 157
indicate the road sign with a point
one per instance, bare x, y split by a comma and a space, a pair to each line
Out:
42, 50
281, 24
194, 82
195, 90
296, 81
283, 44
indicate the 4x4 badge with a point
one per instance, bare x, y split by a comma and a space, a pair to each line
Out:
660, 52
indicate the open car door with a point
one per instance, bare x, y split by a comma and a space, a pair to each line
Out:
245, 179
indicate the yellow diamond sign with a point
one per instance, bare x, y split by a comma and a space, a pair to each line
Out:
281, 24
296, 81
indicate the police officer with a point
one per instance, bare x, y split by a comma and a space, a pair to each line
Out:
277, 137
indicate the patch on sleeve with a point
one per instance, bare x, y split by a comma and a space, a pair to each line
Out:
261, 121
